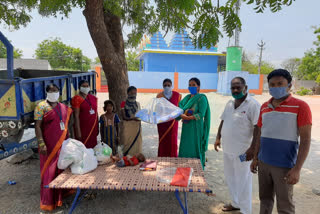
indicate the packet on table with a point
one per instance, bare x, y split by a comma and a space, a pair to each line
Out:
159, 110
102, 151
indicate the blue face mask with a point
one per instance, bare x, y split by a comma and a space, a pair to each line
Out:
193, 90
278, 92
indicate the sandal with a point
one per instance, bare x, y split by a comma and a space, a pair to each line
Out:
229, 207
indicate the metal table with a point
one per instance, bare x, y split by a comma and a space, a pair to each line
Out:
111, 177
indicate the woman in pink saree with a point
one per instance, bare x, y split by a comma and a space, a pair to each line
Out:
51, 126
85, 107
168, 132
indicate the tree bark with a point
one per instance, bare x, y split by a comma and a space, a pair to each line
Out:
106, 33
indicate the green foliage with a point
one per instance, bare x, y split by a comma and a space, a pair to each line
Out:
17, 53
304, 91
15, 13
62, 56
275, 5
252, 68
132, 62
202, 17
309, 68
96, 60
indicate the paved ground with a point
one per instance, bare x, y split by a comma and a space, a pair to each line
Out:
24, 196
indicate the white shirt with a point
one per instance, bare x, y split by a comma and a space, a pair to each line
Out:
238, 125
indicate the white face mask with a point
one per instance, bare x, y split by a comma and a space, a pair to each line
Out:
167, 91
53, 96
85, 90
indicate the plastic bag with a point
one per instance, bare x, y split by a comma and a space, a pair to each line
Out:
102, 152
159, 110
88, 163
74, 154
71, 152
175, 176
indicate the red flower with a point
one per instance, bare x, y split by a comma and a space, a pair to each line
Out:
7, 105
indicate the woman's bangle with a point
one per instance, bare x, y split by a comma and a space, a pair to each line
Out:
42, 144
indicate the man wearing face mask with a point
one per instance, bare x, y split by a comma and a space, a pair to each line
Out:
238, 133
279, 155
168, 132
85, 107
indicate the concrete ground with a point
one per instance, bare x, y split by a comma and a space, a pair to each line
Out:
24, 196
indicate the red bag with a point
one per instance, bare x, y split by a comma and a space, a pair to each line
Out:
182, 177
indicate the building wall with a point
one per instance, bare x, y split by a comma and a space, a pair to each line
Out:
156, 62
254, 81
148, 80
38, 64
151, 82
208, 80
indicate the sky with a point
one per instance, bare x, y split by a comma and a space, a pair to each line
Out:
287, 33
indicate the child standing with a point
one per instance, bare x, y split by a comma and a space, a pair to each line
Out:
109, 126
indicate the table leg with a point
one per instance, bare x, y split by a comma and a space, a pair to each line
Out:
75, 201
183, 207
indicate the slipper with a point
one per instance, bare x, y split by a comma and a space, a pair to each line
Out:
228, 208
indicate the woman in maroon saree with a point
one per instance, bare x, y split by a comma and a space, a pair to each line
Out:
85, 107
51, 128
168, 132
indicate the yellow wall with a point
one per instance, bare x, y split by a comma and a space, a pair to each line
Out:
8, 103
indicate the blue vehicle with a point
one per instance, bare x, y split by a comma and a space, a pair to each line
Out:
21, 90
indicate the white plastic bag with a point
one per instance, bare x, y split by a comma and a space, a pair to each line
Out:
71, 152
74, 154
159, 110
102, 152
88, 163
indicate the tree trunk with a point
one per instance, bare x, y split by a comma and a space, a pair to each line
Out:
106, 33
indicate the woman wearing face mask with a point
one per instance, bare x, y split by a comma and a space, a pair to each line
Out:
131, 125
168, 132
85, 108
195, 123
51, 127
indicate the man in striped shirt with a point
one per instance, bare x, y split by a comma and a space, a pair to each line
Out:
280, 154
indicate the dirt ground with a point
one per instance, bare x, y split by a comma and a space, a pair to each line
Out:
24, 196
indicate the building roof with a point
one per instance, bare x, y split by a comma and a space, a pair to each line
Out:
37, 64
180, 44
157, 42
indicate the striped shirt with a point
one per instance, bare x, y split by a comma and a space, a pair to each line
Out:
279, 131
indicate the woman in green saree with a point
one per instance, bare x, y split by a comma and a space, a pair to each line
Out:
195, 123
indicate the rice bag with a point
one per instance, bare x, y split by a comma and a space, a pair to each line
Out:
74, 154
87, 164
159, 110
71, 152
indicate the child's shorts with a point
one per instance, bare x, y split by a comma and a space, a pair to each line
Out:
121, 163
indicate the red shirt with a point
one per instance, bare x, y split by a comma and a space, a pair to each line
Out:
133, 159
280, 131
